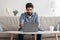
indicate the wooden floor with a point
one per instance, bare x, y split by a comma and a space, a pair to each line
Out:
30, 39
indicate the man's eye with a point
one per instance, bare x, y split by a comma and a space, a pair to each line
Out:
30, 9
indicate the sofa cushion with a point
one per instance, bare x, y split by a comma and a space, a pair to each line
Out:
9, 23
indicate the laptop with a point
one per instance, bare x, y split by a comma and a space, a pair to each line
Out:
30, 27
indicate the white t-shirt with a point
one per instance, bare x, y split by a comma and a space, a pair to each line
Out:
30, 17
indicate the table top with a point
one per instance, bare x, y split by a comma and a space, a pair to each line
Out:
39, 32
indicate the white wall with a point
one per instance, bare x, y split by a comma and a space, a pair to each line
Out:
57, 9
42, 7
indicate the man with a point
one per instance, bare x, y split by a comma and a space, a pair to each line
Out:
28, 16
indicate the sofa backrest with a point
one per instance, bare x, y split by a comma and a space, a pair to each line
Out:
11, 23
46, 22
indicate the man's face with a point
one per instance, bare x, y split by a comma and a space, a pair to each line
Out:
29, 10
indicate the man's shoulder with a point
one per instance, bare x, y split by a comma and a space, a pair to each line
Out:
34, 13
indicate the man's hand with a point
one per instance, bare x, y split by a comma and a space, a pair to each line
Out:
21, 26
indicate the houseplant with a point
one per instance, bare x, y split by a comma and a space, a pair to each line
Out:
15, 12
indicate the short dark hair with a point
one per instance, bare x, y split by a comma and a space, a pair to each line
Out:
29, 5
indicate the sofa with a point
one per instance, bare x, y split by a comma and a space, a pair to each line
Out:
11, 23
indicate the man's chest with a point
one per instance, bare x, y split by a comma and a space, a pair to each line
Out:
32, 19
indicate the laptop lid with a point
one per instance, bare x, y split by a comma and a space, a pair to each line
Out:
30, 27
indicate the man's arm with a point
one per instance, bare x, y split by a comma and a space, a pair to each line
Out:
21, 21
38, 20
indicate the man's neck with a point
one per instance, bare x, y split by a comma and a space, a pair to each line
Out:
29, 14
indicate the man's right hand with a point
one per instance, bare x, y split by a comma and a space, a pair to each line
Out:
21, 26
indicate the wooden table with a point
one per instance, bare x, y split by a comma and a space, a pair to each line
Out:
39, 32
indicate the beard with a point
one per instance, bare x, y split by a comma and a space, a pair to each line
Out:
29, 13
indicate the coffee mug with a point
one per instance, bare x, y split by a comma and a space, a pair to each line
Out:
51, 28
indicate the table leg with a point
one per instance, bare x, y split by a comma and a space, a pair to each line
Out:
56, 36
35, 37
11, 37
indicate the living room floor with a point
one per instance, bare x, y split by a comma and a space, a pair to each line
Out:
30, 39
